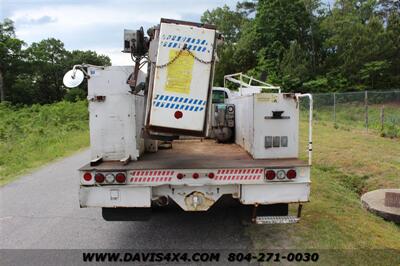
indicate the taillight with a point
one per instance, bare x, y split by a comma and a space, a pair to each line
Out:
270, 174
120, 177
87, 176
291, 174
211, 175
195, 175
280, 174
99, 178
179, 176
110, 178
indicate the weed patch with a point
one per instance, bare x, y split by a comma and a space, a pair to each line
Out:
34, 135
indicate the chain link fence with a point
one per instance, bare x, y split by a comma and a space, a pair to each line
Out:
369, 110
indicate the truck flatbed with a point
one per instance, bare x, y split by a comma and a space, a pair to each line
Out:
199, 154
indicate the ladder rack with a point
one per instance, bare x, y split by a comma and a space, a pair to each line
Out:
249, 85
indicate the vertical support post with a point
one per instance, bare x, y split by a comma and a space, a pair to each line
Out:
254, 213
241, 82
310, 119
334, 109
366, 109
1, 86
382, 117
299, 210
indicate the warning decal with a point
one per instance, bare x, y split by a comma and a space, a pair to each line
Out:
179, 73
266, 97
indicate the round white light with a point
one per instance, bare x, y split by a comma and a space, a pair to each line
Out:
110, 178
280, 174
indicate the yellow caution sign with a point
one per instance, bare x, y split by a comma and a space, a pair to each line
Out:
267, 97
179, 73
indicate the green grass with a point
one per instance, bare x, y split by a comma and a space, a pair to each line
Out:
346, 164
350, 116
32, 136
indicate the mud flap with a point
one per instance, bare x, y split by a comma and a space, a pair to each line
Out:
126, 214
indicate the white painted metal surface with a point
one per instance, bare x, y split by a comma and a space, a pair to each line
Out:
255, 123
115, 196
275, 192
140, 196
184, 85
248, 185
116, 115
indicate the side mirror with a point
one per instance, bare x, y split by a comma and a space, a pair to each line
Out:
73, 78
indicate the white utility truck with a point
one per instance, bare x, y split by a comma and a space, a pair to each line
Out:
164, 135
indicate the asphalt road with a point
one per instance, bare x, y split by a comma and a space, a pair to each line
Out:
41, 211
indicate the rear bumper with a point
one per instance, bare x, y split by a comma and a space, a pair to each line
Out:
278, 192
193, 198
114, 196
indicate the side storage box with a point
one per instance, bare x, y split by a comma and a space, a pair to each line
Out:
182, 78
267, 125
115, 115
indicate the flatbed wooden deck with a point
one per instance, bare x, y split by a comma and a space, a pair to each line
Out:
197, 154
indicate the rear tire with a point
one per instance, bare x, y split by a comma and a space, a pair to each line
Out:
126, 214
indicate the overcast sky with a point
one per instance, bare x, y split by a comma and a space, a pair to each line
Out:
97, 24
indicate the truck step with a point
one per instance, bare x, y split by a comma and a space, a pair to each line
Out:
277, 219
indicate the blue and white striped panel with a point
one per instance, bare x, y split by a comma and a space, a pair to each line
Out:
177, 41
179, 103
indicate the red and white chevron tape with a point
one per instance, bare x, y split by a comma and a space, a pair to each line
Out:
154, 176
141, 176
239, 174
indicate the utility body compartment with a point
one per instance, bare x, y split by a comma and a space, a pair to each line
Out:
115, 114
267, 124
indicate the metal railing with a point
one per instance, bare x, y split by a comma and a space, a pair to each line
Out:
249, 85
310, 122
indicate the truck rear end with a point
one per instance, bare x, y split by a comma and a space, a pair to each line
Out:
194, 174
158, 138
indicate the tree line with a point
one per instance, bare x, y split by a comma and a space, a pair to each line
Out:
33, 73
301, 45
308, 45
